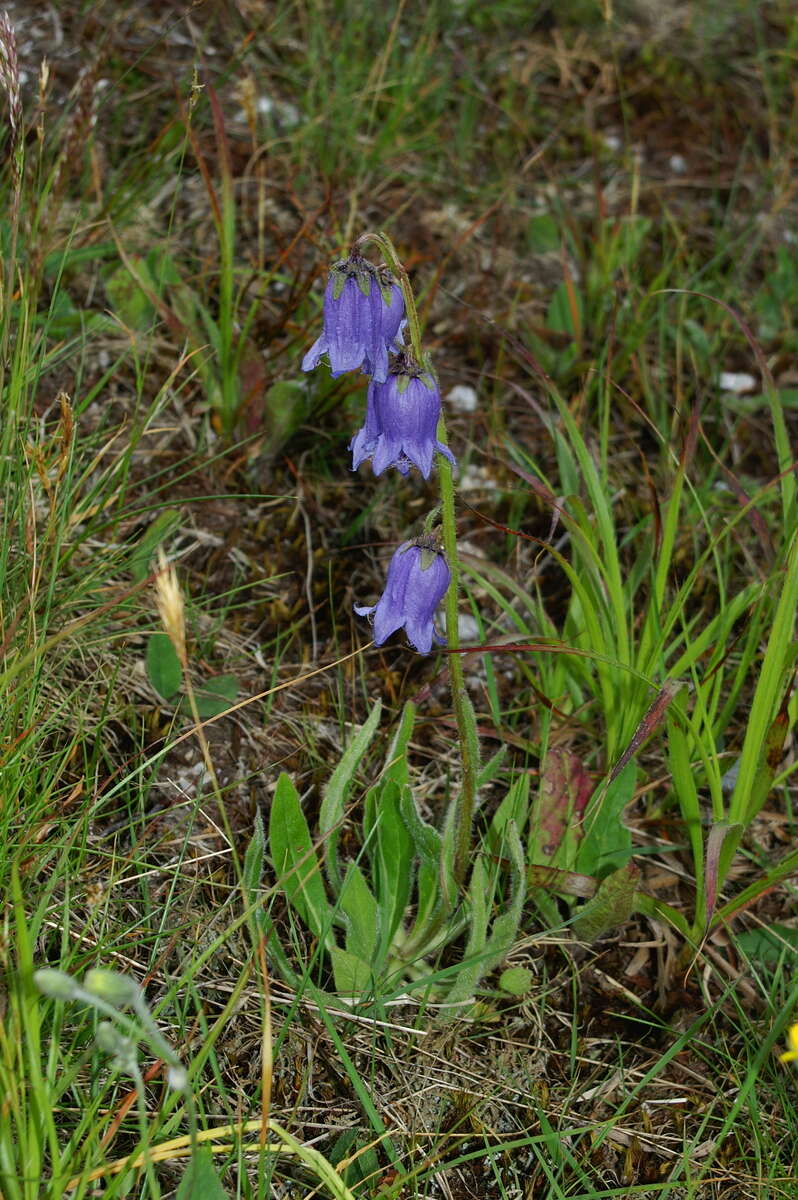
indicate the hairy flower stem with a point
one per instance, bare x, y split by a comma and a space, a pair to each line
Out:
462, 813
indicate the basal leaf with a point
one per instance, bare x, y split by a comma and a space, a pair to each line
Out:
201, 1182
612, 905
394, 874
126, 290
333, 805
362, 915
770, 944
352, 976
216, 695
471, 972
564, 790
294, 860
606, 842
395, 770
516, 981
285, 408
514, 807
253, 859
163, 665
425, 837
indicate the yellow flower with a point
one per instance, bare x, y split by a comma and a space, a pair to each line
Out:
792, 1041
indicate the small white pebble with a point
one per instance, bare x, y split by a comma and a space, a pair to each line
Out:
463, 398
736, 381
467, 628
473, 478
285, 112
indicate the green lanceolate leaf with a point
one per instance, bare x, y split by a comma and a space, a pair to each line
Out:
606, 842
489, 944
394, 865
333, 805
468, 977
489, 770
566, 311
201, 1181
163, 666
352, 976
425, 837
428, 903
252, 872
777, 663
395, 770
506, 925
514, 807
684, 785
294, 860
362, 915
427, 848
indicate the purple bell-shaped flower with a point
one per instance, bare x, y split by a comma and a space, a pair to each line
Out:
401, 425
418, 577
363, 314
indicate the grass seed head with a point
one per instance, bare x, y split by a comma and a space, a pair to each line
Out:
171, 610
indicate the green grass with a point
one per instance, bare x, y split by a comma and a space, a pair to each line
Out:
595, 208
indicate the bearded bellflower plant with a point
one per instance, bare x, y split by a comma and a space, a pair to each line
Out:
366, 309
363, 315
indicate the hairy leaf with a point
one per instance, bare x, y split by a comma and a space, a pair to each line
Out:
294, 860
333, 805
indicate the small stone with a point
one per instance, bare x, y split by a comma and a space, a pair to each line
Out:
463, 398
738, 382
467, 628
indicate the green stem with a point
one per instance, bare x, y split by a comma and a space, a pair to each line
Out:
463, 812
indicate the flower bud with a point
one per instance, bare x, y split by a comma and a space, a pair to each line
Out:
112, 987
56, 984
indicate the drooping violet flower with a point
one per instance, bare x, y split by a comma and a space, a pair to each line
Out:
401, 424
363, 314
418, 577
